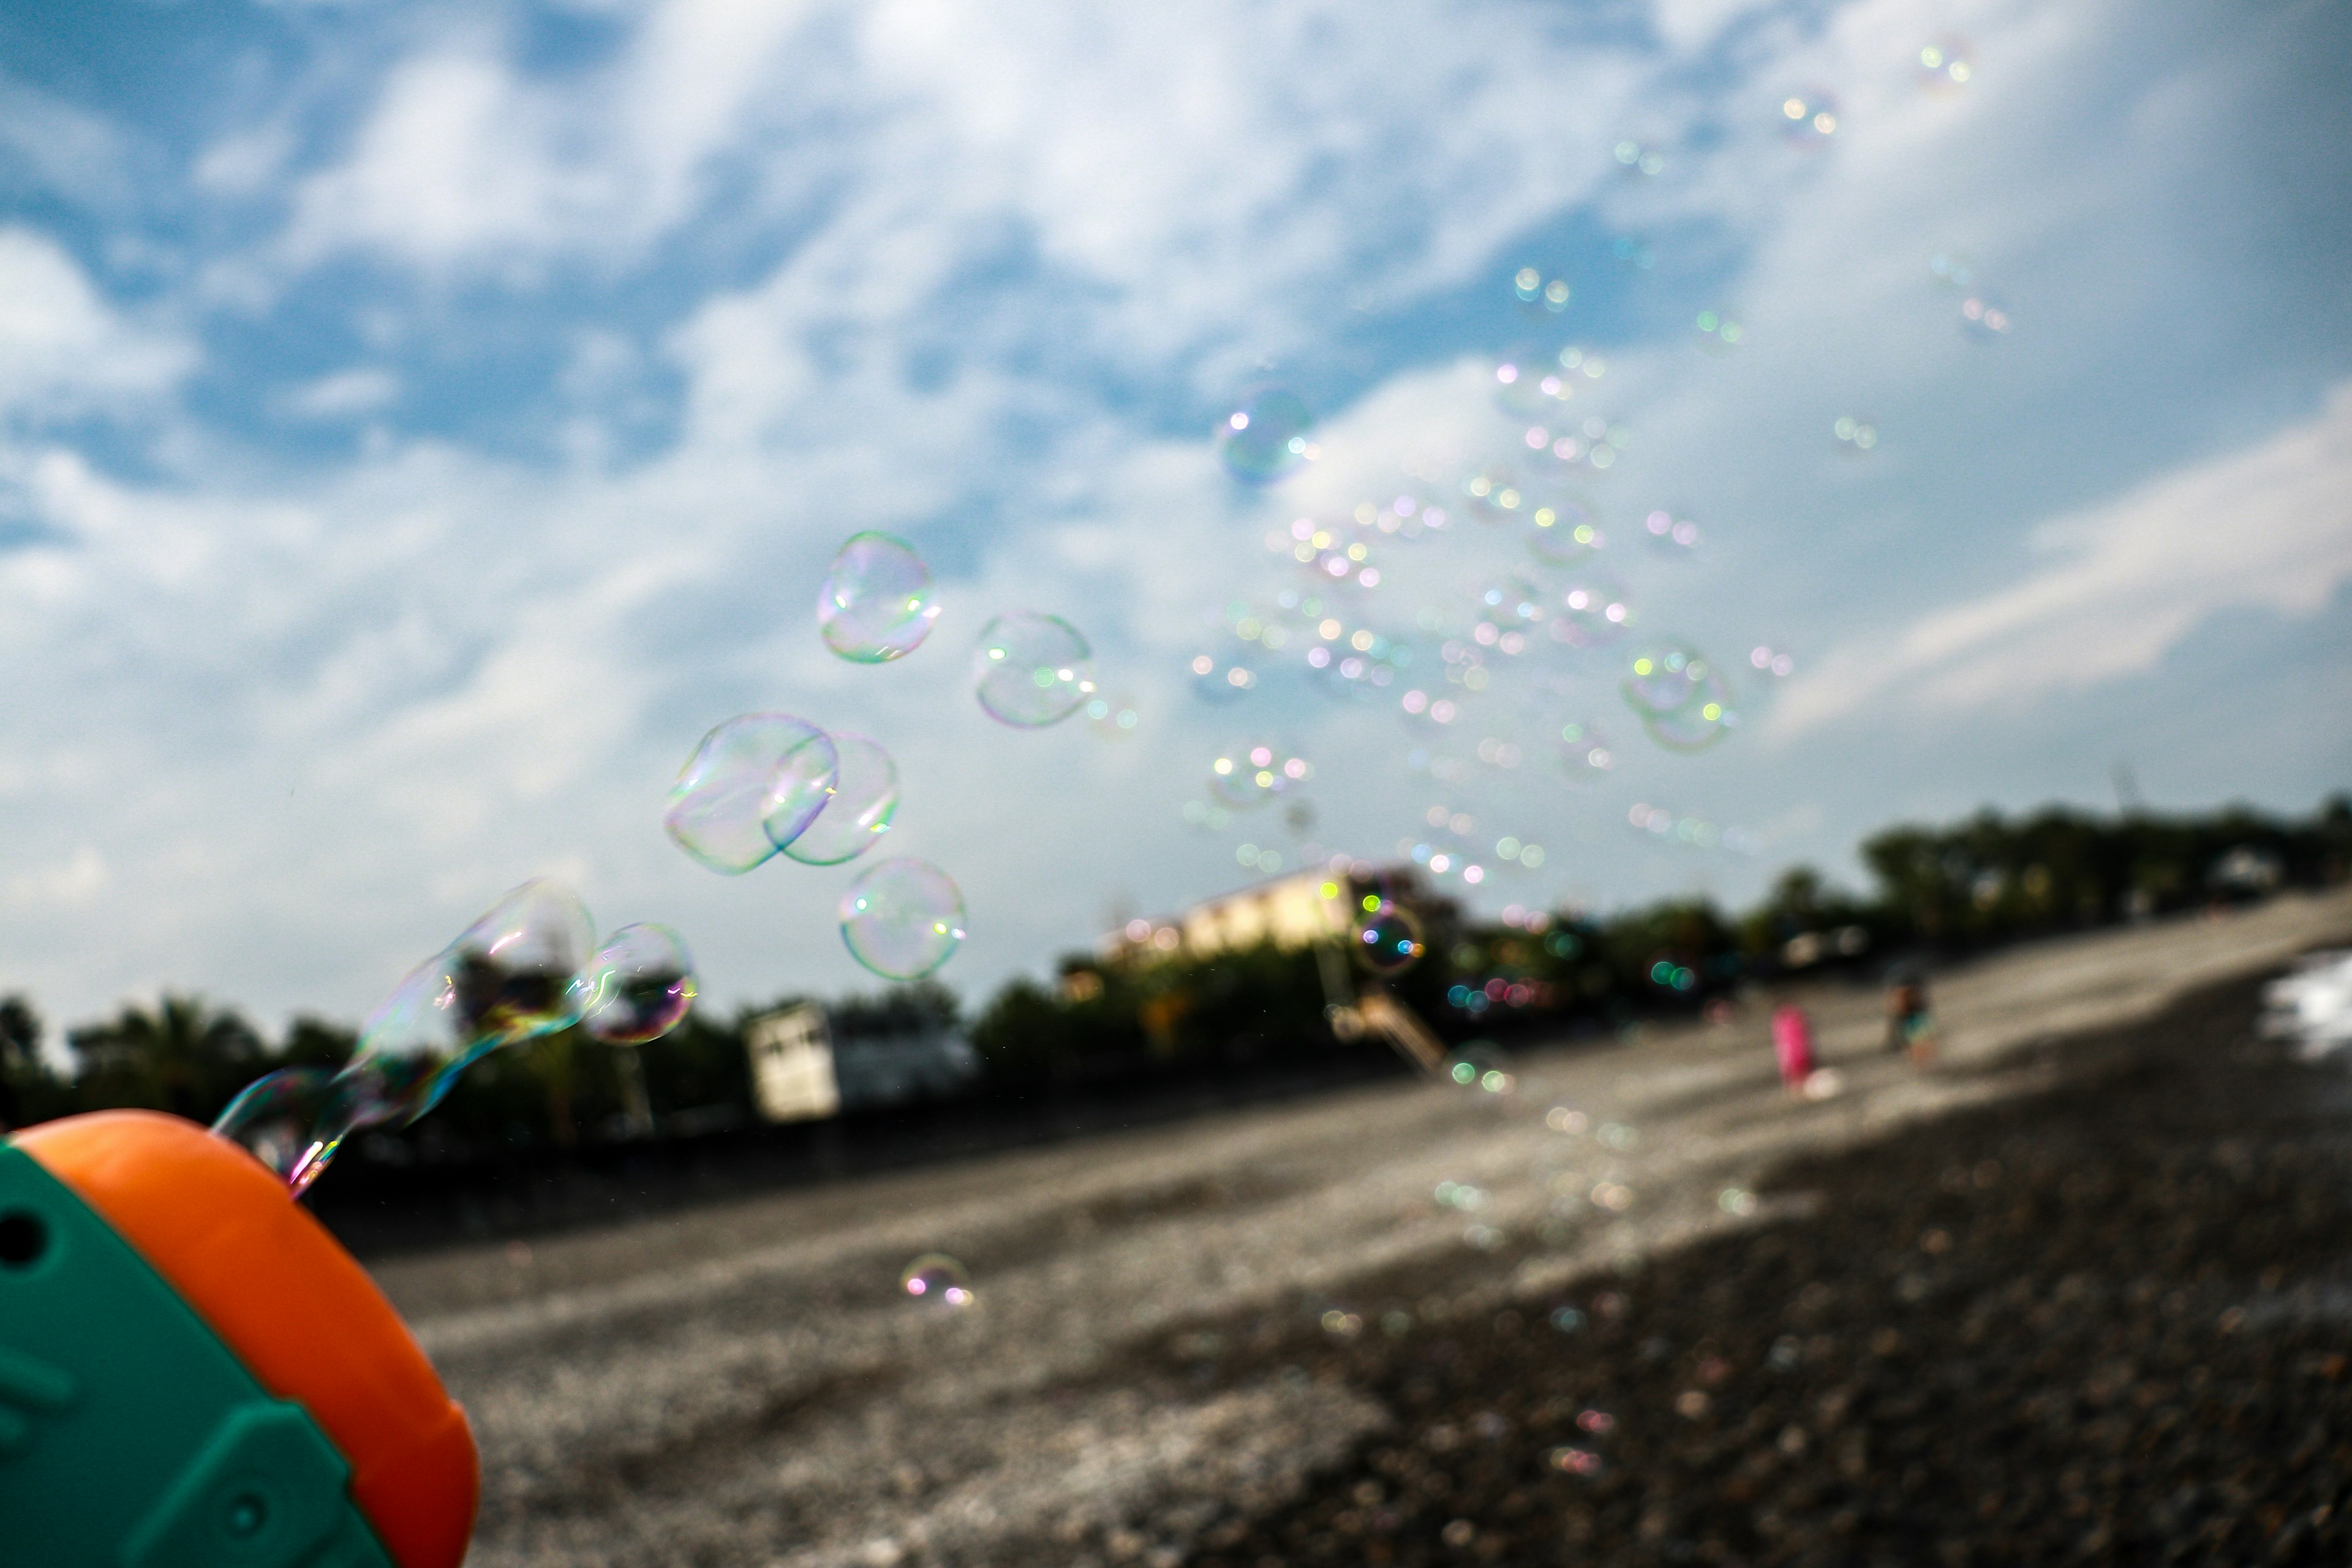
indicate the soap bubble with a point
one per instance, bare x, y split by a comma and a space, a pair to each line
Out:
1679, 535
858, 809
1809, 119
876, 603
1662, 677
1984, 318
1250, 775
1566, 531
292, 1121
1594, 611
1032, 669
1388, 938
1584, 751
1114, 718
1636, 159
936, 1280
1947, 63
752, 786
1266, 437
638, 986
1492, 494
1529, 382
1718, 334
902, 918
511, 972
1854, 435
1698, 724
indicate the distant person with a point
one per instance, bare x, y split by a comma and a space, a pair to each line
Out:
1792, 1042
1909, 1025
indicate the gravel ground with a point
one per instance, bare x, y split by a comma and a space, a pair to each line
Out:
1938, 1311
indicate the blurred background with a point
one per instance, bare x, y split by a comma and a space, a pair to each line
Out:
420, 424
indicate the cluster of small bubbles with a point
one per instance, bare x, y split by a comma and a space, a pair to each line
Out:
1327, 554
1679, 694
902, 918
529, 966
1854, 435
1594, 611
1771, 661
876, 604
1507, 849
1947, 63
1565, 532
1809, 119
1533, 289
1691, 832
1266, 436
1031, 670
1112, 716
937, 1281
1718, 332
1639, 160
1419, 704
1584, 751
1984, 318
1679, 533
1387, 937
1248, 777
1594, 444
1408, 515
1253, 859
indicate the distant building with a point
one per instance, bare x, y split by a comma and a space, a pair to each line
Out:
792, 1064
1291, 912
800, 1072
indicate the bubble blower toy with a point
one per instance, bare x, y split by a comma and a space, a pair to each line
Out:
194, 1372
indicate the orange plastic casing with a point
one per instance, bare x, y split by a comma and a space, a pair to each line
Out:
291, 1304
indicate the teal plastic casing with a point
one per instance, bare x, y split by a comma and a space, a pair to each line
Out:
131, 1435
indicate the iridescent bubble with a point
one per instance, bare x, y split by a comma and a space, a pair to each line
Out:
752, 786
1636, 159
512, 972
936, 1280
292, 1121
1768, 661
1529, 382
1388, 937
1854, 435
876, 603
1493, 495
1680, 695
1809, 119
1266, 436
1584, 751
1250, 775
1718, 334
638, 986
1031, 670
1114, 718
1222, 674
902, 918
1565, 530
1533, 289
1984, 318
858, 809
1696, 725
1594, 611
1947, 64
1676, 535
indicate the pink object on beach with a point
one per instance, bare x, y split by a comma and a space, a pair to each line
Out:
1792, 1042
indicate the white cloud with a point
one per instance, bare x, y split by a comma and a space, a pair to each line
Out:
2122, 584
342, 394
63, 348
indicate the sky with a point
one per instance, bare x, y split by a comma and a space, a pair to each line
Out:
419, 424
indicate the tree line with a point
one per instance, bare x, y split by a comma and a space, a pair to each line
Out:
1941, 891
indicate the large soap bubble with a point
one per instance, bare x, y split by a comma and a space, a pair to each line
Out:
1388, 940
876, 602
511, 971
752, 786
857, 813
291, 1120
1680, 695
902, 918
1266, 437
638, 987
1032, 669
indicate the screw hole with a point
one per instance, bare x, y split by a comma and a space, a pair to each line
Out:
23, 1239
248, 1512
